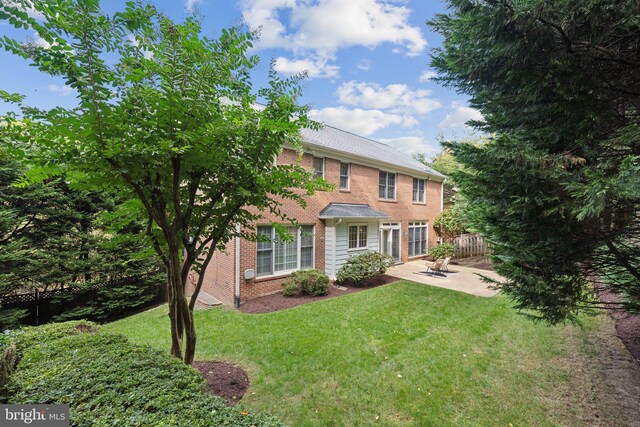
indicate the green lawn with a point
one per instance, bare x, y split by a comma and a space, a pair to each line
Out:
402, 354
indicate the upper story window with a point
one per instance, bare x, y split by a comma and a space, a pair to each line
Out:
318, 167
277, 256
345, 174
357, 236
387, 186
418, 190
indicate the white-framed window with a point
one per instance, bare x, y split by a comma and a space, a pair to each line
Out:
277, 256
418, 238
357, 236
345, 175
418, 190
387, 185
318, 167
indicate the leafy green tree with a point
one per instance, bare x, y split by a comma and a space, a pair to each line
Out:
557, 189
171, 117
450, 223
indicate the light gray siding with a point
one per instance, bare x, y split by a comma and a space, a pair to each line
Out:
329, 249
342, 252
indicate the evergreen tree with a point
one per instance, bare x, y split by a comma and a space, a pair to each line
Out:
557, 189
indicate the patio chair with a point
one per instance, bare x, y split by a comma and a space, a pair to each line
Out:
445, 264
435, 266
439, 266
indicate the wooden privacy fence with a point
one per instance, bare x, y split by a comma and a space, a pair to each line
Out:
468, 245
43, 306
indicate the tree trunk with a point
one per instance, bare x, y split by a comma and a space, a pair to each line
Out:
176, 294
176, 335
180, 314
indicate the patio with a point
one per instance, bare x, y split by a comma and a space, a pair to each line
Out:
459, 278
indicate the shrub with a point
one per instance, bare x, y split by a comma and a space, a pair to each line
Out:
442, 250
108, 381
307, 282
362, 267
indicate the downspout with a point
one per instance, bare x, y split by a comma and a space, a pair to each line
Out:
441, 208
237, 294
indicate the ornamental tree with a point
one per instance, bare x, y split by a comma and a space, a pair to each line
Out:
556, 190
171, 118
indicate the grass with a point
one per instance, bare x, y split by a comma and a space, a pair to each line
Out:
402, 354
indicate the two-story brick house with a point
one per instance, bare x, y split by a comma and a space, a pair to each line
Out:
383, 201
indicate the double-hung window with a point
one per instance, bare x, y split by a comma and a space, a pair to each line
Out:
345, 173
417, 238
418, 190
357, 236
387, 185
276, 256
318, 167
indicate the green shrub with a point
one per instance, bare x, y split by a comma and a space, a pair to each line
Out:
108, 381
362, 267
307, 282
291, 289
442, 250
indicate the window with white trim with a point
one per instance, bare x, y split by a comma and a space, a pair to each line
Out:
357, 236
387, 185
276, 256
318, 167
345, 173
418, 238
418, 190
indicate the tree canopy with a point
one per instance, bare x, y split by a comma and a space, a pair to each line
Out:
556, 189
171, 118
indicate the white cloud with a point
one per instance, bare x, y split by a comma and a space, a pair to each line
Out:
412, 145
40, 42
61, 90
146, 53
361, 122
397, 98
320, 28
459, 116
25, 7
191, 5
314, 68
364, 65
427, 75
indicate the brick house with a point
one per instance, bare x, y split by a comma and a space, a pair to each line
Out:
383, 201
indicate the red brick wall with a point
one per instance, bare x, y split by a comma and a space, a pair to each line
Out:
219, 277
363, 189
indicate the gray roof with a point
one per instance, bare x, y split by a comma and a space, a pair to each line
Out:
332, 138
349, 210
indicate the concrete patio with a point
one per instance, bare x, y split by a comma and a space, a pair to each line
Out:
459, 278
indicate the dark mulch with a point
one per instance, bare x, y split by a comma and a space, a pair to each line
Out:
627, 324
483, 266
275, 302
480, 262
224, 379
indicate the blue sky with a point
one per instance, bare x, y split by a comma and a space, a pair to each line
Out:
367, 62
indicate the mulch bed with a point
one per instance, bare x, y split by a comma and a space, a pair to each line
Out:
481, 263
627, 324
224, 379
275, 302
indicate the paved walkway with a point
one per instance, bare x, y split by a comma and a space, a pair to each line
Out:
463, 279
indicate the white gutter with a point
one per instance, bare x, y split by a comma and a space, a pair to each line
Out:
442, 196
237, 294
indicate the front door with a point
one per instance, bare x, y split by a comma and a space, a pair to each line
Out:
390, 239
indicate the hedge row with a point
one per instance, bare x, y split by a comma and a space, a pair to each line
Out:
107, 381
